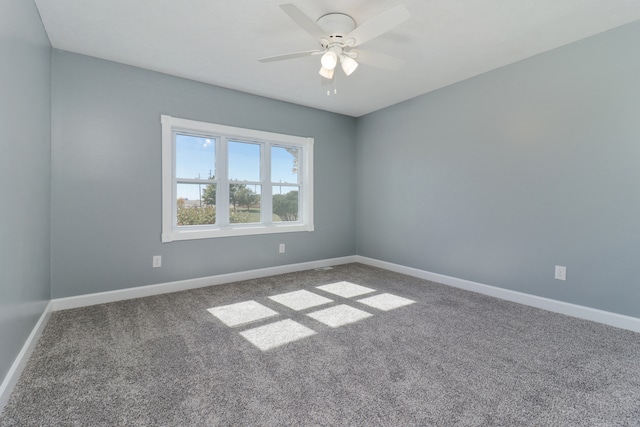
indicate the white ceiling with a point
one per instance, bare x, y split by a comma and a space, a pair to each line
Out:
220, 42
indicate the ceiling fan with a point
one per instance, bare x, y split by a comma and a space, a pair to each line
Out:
338, 36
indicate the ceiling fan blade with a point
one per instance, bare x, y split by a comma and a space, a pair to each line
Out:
379, 25
379, 60
303, 21
290, 55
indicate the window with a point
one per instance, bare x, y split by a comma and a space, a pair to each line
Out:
220, 181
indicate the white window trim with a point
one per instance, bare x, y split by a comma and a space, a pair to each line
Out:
170, 232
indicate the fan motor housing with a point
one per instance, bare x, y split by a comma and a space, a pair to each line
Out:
337, 26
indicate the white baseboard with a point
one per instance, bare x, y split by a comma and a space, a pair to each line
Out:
183, 285
574, 310
582, 312
21, 360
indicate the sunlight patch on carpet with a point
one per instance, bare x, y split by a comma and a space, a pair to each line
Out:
276, 334
386, 302
300, 300
339, 315
242, 313
345, 289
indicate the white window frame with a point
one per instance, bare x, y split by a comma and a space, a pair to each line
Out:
221, 133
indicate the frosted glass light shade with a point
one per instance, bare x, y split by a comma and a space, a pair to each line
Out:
349, 65
329, 60
326, 73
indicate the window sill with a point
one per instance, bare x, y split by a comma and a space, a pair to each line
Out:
191, 234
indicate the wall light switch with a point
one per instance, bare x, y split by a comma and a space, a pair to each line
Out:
281, 248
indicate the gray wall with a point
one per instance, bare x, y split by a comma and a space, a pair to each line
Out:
106, 170
25, 147
501, 177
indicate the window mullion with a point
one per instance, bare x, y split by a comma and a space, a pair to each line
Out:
266, 198
222, 193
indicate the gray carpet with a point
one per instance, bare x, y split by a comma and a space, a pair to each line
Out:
452, 358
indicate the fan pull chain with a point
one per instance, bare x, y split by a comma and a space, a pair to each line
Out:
335, 87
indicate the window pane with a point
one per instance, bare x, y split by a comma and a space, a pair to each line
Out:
286, 203
194, 204
244, 203
284, 164
244, 161
195, 157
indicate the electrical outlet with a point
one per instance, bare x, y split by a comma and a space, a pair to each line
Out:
157, 261
561, 272
281, 248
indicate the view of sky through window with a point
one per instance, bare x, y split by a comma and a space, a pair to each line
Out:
284, 164
196, 157
244, 161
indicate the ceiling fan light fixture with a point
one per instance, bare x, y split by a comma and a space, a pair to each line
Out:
326, 73
349, 64
329, 60
338, 34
